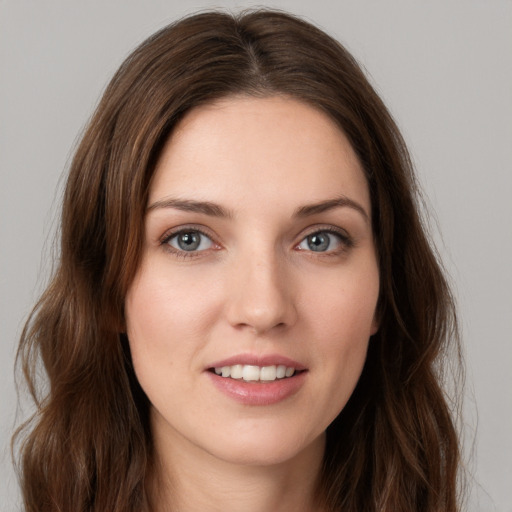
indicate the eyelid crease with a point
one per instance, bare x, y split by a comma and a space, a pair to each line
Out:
325, 228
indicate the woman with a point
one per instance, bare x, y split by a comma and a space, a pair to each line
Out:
247, 313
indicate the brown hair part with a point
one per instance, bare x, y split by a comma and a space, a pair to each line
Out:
88, 447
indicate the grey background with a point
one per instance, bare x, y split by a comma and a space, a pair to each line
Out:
444, 69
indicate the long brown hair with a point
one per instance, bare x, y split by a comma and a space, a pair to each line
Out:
393, 447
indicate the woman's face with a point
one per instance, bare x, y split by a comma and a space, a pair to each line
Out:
259, 264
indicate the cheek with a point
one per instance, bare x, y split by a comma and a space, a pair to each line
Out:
345, 333
168, 317
342, 321
343, 306
163, 301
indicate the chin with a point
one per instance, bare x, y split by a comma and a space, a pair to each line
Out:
266, 449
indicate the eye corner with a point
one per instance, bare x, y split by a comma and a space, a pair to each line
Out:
325, 241
196, 242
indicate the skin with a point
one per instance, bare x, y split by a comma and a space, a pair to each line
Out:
254, 286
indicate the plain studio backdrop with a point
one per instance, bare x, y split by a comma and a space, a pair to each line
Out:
443, 67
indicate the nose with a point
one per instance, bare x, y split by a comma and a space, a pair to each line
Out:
261, 295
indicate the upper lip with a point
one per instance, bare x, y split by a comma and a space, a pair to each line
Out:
258, 360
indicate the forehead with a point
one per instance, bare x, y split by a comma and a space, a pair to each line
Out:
244, 148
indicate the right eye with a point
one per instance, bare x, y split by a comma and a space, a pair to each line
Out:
190, 240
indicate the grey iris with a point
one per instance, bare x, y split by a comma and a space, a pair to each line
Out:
318, 242
189, 241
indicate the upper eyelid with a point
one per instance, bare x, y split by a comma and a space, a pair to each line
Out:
168, 234
346, 241
164, 242
329, 228
304, 233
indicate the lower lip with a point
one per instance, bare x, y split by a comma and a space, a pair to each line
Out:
258, 393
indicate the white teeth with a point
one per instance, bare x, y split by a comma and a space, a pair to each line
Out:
237, 371
268, 373
251, 372
255, 373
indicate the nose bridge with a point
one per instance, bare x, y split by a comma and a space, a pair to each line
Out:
261, 295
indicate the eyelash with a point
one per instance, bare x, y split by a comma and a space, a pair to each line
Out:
184, 229
345, 240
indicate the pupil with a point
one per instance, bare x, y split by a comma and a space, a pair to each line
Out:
189, 241
318, 242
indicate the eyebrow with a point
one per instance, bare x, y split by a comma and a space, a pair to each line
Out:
330, 204
216, 210
189, 205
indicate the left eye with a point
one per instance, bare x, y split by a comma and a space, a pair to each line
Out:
190, 241
321, 241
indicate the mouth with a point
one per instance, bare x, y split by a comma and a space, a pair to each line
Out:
253, 373
256, 379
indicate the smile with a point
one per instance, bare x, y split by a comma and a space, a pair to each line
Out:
252, 373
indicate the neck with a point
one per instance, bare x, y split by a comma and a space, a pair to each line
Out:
191, 480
